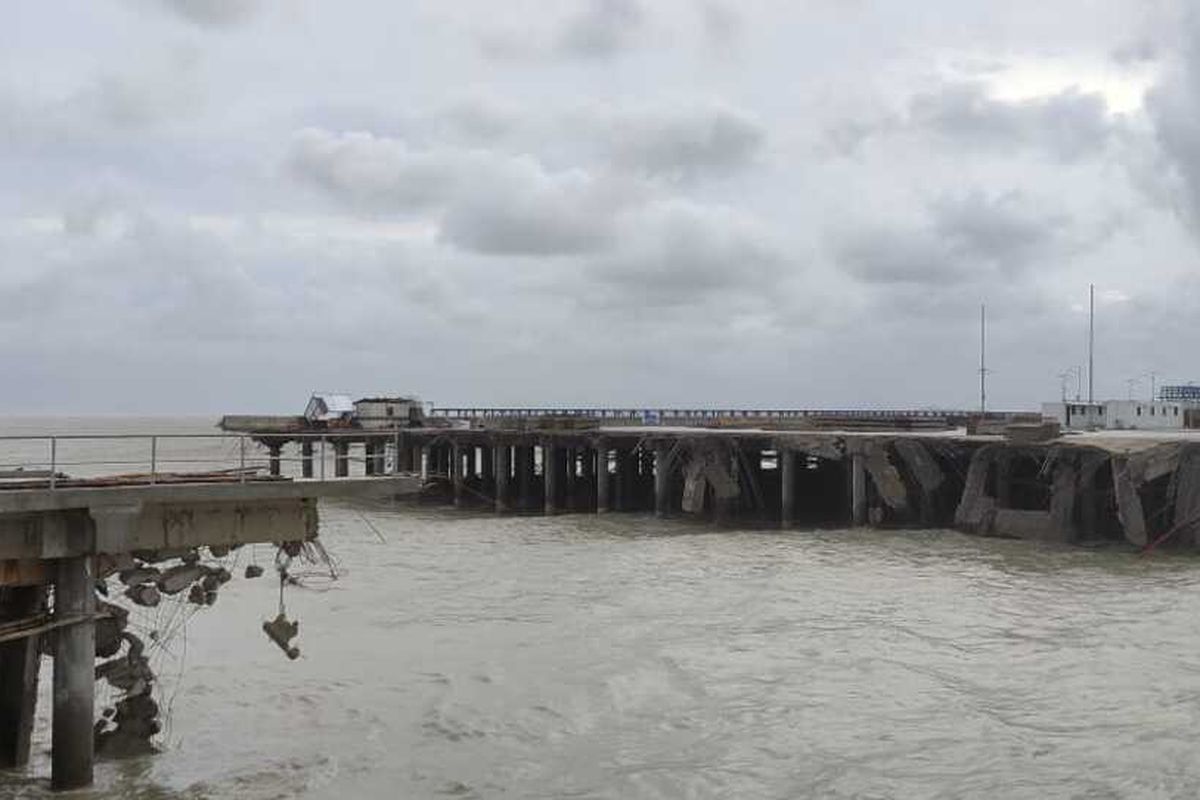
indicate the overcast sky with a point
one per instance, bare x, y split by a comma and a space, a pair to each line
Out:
223, 205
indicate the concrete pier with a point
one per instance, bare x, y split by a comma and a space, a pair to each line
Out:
19, 663
74, 675
603, 478
787, 477
503, 469
341, 459
662, 478
525, 476
858, 490
458, 470
552, 473
306, 458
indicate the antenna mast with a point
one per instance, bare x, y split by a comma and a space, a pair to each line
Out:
982, 359
1091, 343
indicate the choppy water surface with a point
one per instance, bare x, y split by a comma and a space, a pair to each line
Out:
468, 656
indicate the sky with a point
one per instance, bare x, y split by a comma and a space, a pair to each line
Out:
224, 205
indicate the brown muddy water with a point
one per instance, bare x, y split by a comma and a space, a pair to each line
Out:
463, 655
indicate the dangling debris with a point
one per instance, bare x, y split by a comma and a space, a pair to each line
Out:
176, 579
136, 576
281, 632
145, 594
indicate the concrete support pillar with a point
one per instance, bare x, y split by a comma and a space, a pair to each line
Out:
19, 662
457, 458
274, 458
858, 489
423, 464
369, 447
552, 469
623, 467
524, 470
306, 458
1003, 467
601, 469
341, 458
71, 737
487, 464
787, 478
662, 481
502, 458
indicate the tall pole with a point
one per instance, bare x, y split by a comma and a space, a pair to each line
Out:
982, 359
1091, 343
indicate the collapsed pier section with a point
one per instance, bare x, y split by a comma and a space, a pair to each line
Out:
1143, 491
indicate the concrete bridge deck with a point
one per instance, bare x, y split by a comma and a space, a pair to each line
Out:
68, 532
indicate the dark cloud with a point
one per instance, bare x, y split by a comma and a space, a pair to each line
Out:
1174, 110
677, 254
686, 143
967, 237
1069, 125
602, 29
484, 202
214, 13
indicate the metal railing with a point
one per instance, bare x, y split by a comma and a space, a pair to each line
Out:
52, 460
473, 412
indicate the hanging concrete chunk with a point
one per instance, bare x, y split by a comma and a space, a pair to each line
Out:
694, 484
886, 478
1187, 496
921, 464
1148, 465
975, 508
176, 579
1062, 499
1129, 504
145, 594
138, 575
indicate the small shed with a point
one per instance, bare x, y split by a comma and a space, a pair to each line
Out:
329, 408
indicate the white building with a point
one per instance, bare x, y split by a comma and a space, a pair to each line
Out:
1124, 415
388, 412
1146, 415
1076, 416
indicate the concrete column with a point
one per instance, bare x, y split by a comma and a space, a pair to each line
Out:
552, 470
380, 456
306, 458
341, 458
1003, 467
369, 456
274, 456
457, 453
487, 465
661, 479
502, 472
19, 662
525, 476
71, 738
423, 462
621, 479
601, 469
858, 489
787, 478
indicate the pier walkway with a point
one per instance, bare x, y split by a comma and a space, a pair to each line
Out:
75, 509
